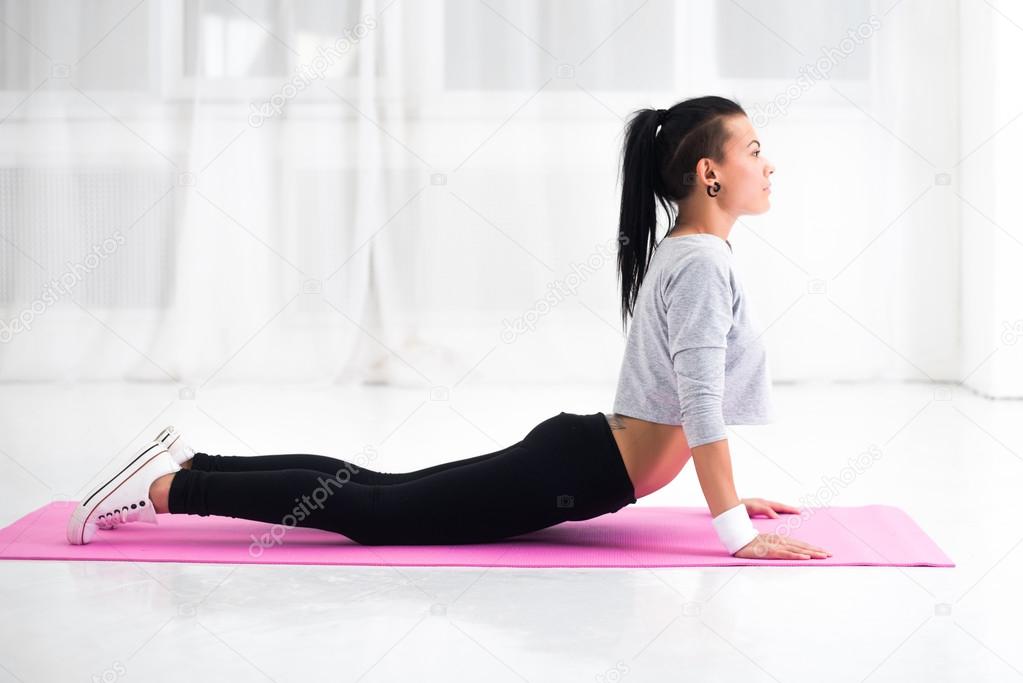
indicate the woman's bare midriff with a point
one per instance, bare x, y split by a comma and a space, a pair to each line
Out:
654, 453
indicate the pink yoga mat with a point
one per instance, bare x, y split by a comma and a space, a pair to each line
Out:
635, 536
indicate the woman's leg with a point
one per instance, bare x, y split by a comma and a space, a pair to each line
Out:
567, 468
321, 463
517, 490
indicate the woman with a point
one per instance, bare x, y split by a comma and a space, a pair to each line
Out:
691, 363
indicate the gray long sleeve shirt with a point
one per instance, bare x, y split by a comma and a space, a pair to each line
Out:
693, 356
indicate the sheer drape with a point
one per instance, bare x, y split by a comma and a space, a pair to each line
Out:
239, 225
277, 207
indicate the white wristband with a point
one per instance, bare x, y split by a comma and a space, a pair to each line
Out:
734, 527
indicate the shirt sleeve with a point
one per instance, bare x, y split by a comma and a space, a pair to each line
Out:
698, 298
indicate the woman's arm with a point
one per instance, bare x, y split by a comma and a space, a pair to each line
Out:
714, 470
731, 520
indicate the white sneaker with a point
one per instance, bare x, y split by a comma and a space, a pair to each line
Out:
170, 438
125, 498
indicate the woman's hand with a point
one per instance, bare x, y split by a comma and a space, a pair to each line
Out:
775, 547
755, 506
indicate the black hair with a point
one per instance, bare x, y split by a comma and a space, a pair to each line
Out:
658, 166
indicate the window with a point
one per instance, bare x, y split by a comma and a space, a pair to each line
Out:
517, 45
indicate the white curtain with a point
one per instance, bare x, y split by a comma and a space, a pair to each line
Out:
237, 179
380, 190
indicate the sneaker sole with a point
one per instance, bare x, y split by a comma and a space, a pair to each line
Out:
76, 525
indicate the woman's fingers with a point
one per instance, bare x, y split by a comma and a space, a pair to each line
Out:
775, 546
773, 505
813, 547
782, 552
804, 553
794, 542
807, 548
790, 555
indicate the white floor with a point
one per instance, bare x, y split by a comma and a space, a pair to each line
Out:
953, 460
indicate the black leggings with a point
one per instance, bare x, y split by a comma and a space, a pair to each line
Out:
568, 467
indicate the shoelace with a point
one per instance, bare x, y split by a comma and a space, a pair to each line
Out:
122, 515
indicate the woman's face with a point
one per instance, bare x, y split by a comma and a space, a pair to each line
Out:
744, 177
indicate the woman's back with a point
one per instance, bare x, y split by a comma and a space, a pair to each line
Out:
693, 360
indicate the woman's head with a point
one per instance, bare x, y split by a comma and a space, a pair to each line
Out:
698, 159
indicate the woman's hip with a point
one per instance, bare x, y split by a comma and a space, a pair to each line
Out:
582, 454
